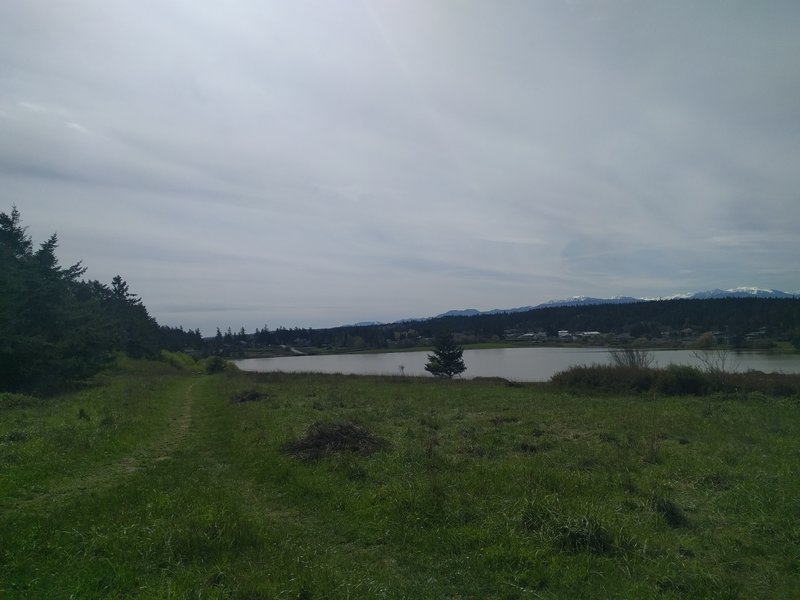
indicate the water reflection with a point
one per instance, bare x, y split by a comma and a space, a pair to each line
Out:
519, 364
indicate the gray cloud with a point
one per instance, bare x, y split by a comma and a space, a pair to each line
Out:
307, 163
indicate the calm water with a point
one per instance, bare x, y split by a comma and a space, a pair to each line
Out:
519, 364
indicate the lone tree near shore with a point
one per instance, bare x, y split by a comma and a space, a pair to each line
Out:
446, 360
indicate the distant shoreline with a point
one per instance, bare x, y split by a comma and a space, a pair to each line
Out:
311, 351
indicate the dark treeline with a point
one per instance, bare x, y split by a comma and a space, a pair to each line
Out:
56, 327
652, 319
735, 319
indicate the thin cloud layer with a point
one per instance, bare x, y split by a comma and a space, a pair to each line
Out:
315, 163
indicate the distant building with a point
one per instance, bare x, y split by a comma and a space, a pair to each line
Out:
759, 333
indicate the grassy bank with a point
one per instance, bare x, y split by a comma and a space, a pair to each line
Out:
156, 482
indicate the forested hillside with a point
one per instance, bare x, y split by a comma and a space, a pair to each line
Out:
735, 318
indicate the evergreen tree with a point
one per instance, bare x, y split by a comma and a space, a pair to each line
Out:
52, 327
447, 358
137, 332
56, 328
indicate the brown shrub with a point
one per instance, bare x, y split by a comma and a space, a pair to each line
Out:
247, 396
322, 439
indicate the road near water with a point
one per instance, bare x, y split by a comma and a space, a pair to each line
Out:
519, 364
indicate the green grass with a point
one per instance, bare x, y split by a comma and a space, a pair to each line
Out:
151, 483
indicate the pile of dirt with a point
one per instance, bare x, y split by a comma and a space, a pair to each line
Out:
248, 396
322, 439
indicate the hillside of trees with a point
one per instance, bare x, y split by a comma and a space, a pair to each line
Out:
738, 322
56, 327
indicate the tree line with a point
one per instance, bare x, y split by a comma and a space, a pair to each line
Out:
734, 318
57, 327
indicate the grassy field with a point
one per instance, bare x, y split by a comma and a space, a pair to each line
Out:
153, 483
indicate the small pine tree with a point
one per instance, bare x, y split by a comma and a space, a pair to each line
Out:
447, 358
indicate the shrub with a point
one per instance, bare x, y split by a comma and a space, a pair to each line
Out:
705, 341
669, 511
215, 364
606, 378
675, 380
680, 380
773, 384
17, 436
322, 439
178, 360
632, 357
247, 396
11, 400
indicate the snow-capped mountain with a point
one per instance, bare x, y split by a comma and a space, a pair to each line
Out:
738, 292
742, 292
580, 300
574, 301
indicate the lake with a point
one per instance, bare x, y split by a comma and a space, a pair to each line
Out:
518, 364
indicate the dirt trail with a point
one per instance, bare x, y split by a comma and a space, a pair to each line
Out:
163, 447
99, 476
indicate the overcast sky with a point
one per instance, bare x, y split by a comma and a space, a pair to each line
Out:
315, 163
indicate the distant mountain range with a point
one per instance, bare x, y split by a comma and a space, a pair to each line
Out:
739, 292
